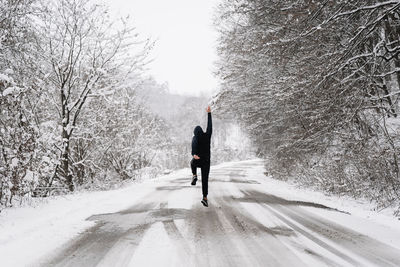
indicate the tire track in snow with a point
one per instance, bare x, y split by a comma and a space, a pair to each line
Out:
367, 248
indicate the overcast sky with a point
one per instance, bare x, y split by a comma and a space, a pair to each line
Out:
185, 47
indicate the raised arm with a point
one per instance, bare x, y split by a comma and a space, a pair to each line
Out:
209, 122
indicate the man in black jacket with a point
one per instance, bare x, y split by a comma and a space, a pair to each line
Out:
201, 155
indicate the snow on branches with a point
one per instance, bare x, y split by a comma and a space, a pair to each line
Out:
65, 70
316, 83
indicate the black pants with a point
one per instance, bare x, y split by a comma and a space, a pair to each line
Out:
205, 170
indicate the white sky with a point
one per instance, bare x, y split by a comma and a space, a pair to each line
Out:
185, 40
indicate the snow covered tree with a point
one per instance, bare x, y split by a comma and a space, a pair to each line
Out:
84, 53
317, 85
17, 131
118, 135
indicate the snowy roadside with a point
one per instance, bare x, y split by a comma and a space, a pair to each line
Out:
381, 225
29, 233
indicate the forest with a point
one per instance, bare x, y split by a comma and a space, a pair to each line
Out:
321, 82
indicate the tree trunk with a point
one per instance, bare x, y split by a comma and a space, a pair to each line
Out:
65, 140
65, 161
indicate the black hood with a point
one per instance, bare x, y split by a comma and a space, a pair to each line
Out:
198, 131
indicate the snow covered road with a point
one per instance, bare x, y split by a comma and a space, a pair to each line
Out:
246, 224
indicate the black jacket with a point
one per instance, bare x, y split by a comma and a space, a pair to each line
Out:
201, 141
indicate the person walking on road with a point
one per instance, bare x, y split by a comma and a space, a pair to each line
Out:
201, 155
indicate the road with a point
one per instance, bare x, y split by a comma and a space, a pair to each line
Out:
244, 225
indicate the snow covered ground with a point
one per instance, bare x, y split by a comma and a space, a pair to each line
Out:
28, 233
252, 220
